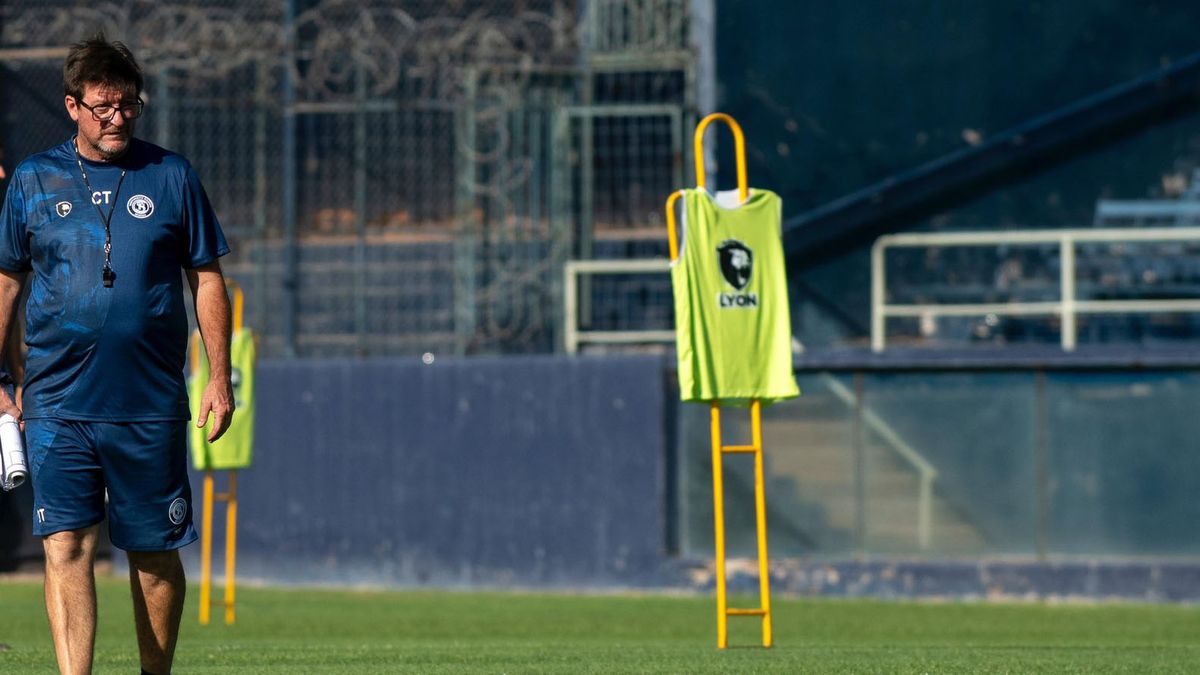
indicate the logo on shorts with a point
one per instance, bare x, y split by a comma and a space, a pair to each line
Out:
140, 206
177, 511
63, 209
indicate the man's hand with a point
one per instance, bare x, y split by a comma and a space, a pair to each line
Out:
217, 399
8, 405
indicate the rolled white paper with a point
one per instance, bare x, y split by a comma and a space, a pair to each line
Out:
13, 470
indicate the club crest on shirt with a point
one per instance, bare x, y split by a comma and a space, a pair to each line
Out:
140, 206
63, 209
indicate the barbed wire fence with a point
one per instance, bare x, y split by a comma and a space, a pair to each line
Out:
399, 177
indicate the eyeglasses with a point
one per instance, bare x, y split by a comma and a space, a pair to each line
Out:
105, 112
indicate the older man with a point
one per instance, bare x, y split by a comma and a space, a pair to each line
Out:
101, 225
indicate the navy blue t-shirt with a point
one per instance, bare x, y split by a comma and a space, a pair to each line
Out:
107, 354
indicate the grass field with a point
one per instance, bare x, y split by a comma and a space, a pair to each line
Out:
320, 631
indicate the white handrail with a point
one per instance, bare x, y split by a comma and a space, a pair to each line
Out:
572, 335
1068, 307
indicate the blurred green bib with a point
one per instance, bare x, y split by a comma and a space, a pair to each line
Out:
234, 450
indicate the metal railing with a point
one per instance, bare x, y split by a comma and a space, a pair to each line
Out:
573, 336
1067, 308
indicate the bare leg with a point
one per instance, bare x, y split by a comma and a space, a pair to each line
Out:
156, 579
71, 597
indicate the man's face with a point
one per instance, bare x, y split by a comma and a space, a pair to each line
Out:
102, 140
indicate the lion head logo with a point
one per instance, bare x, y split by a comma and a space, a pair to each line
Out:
737, 262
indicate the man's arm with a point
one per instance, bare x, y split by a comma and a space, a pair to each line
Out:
212, 313
10, 290
13, 354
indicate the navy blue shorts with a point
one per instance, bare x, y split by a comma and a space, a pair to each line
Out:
141, 465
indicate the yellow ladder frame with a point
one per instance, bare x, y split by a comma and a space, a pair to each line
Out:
719, 450
231, 505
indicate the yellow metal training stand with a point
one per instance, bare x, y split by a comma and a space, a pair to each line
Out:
719, 450
231, 504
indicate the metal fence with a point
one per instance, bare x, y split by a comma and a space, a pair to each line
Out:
394, 177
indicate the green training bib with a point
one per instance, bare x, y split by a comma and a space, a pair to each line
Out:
234, 450
732, 324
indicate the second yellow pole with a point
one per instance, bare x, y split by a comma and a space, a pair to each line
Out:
719, 519
230, 546
206, 550
760, 513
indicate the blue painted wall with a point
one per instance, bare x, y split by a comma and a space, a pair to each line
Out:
489, 471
